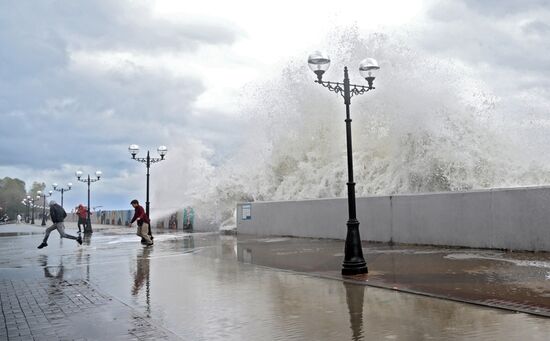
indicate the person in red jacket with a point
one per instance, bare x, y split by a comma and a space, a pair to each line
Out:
82, 213
142, 222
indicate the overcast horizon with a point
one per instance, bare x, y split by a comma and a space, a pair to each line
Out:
81, 81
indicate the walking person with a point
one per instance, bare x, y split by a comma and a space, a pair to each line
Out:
19, 218
142, 222
82, 214
57, 214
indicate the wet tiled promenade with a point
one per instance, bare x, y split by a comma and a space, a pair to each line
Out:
204, 286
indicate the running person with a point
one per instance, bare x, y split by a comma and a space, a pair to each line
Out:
57, 214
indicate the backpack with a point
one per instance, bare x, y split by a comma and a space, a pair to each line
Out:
57, 213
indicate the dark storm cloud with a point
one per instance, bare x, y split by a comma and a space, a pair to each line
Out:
538, 28
89, 119
50, 26
500, 35
52, 114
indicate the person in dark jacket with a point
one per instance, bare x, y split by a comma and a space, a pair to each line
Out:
142, 221
57, 214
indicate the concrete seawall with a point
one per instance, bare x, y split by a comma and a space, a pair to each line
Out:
515, 218
183, 219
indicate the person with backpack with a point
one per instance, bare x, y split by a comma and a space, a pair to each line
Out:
58, 214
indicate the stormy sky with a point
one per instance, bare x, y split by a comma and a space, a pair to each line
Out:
81, 80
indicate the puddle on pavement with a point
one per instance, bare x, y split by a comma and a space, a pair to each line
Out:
210, 287
515, 280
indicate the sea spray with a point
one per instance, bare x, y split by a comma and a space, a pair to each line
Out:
430, 125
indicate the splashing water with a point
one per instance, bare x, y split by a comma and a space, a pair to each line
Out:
429, 126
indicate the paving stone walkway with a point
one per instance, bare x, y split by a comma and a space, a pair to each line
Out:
51, 308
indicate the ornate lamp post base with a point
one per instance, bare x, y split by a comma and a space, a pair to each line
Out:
354, 262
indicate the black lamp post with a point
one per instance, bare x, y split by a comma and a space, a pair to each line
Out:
354, 262
30, 199
27, 205
134, 149
88, 227
62, 190
44, 196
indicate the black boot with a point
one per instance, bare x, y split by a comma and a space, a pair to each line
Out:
42, 245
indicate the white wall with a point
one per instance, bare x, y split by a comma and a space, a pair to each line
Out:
517, 218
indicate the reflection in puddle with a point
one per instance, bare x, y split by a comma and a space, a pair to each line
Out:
355, 295
141, 276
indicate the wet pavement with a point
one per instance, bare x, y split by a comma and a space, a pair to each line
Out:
205, 286
518, 281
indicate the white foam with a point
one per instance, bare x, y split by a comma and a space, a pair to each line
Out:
518, 262
430, 125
